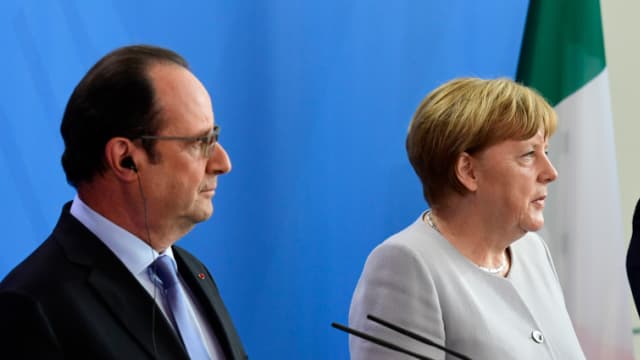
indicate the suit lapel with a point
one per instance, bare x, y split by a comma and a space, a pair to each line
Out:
126, 299
202, 285
136, 310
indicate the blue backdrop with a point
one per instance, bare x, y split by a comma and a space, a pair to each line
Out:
314, 99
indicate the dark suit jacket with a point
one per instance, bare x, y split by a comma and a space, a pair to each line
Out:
633, 257
73, 298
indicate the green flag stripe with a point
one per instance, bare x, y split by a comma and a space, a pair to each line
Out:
562, 48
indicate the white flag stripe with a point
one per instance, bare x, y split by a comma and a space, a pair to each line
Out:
584, 216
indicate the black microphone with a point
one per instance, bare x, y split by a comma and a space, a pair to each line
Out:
378, 341
402, 331
416, 336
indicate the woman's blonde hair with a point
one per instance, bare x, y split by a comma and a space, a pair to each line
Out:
468, 115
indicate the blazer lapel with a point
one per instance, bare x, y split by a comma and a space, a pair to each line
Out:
137, 311
126, 299
202, 285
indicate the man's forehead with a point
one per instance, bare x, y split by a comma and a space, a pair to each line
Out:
182, 102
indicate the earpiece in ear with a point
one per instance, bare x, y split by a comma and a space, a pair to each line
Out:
128, 163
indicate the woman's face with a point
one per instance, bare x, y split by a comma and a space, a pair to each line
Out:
512, 178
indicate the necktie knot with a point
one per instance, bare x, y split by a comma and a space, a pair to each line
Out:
166, 271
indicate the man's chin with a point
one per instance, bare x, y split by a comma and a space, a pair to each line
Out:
207, 214
203, 213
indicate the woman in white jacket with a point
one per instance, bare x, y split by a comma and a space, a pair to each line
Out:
470, 273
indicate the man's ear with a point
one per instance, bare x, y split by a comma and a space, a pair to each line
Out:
120, 159
466, 172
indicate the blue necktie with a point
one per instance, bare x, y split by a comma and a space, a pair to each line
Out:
166, 272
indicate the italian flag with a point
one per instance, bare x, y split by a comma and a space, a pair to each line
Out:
563, 58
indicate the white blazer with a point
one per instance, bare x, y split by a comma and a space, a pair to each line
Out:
418, 280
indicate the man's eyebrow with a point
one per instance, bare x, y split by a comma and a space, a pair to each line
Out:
205, 133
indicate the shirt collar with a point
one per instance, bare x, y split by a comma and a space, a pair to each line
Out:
134, 253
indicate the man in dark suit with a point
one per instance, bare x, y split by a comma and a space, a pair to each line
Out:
633, 257
141, 150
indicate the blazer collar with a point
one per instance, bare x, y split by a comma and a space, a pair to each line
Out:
127, 300
202, 285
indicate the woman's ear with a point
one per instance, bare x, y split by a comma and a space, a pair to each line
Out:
466, 172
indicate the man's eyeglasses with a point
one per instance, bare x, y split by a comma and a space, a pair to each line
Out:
207, 142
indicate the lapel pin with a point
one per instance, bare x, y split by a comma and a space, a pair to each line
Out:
201, 276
